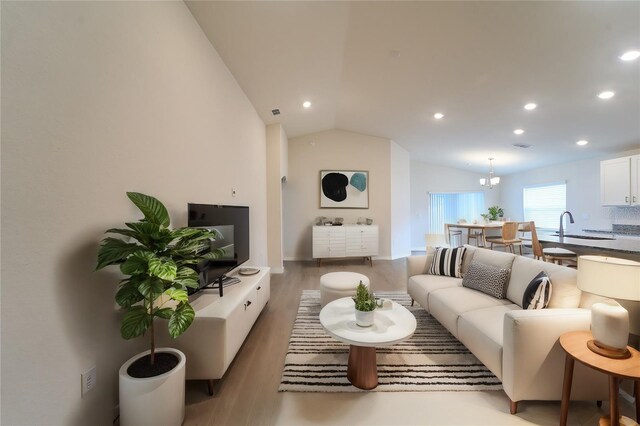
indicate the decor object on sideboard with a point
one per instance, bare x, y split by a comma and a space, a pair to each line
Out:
348, 189
491, 180
159, 263
616, 279
365, 304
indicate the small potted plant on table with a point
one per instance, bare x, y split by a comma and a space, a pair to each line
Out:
365, 305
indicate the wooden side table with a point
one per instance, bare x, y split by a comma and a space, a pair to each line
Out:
574, 344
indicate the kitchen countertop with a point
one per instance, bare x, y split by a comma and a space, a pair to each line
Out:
616, 245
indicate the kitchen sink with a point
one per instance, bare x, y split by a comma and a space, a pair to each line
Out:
585, 237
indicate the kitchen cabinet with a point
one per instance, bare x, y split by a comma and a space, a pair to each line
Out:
620, 181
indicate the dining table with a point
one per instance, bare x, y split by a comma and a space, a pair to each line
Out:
482, 227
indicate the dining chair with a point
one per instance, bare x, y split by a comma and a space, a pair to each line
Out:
456, 233
524, 231
551, 254
477, 235
508, 238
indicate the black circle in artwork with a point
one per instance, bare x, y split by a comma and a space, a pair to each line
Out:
334, 186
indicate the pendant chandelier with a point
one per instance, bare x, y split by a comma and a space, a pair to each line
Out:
491, 180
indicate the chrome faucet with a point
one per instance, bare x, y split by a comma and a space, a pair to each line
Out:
561, 233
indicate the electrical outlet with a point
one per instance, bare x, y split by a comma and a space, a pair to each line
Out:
88, 380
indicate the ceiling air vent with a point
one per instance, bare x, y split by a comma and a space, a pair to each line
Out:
522, 145
275, 111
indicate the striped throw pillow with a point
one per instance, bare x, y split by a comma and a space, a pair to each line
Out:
447, 262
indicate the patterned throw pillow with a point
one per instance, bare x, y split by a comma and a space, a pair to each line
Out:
538, 292
447, 262
489, 279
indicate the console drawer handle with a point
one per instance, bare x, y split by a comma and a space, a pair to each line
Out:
246, 305
259, 287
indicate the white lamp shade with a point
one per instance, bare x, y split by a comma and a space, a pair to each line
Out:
495, 180
483, 181
609, 277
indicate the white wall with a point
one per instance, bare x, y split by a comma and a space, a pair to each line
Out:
583, 193
400, 200
427, 178
277, 146
334, 150
100, 98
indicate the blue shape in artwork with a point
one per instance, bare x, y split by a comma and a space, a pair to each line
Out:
359, 181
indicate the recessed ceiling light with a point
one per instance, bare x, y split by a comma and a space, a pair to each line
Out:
582, 142
438, 115
306, 104
607, 94
530, 106
518, 131
631, 55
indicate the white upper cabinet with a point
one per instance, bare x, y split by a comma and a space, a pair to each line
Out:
620, 181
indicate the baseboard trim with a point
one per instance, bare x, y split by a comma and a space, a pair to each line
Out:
278, 270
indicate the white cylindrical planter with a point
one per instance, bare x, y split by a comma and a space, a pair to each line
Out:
365, 319
153, 400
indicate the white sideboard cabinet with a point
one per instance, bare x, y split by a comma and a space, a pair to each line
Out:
220, 326
345, 241
620, 181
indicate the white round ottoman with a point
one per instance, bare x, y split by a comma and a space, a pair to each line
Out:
336, 285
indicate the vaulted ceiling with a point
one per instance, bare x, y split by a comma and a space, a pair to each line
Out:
385, 68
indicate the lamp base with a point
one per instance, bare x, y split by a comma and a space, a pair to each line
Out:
608, 351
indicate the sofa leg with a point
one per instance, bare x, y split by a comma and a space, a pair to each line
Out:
513, 407
210, 386
412, 301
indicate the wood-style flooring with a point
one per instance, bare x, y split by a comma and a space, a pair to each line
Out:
248, 393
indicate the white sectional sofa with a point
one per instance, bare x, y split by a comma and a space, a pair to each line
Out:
519, 346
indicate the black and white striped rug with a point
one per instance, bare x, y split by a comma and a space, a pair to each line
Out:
431, 360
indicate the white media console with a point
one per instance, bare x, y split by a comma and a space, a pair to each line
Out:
220, 326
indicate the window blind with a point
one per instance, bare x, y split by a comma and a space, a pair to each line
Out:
544, 204
449, 207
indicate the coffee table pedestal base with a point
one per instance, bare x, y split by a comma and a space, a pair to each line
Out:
362, 369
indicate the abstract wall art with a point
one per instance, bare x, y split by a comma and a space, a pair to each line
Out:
344, 189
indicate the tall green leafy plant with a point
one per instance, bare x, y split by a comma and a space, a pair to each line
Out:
160, 265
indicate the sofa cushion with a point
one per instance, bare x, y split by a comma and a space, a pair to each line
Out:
538, 292
447, 305
488, 279
565, 292
496, 258
481, 331
420, 286
447, 261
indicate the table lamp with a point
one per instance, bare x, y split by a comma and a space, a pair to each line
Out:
617, 279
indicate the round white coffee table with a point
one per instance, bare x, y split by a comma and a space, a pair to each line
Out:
391, 325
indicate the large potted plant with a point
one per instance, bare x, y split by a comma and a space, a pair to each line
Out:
159, 266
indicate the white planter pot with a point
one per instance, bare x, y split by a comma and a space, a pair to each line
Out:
153, 400
365, 319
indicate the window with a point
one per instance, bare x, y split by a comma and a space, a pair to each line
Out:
449, 207
544, 204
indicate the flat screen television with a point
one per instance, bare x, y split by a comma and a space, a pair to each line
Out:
232, 225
